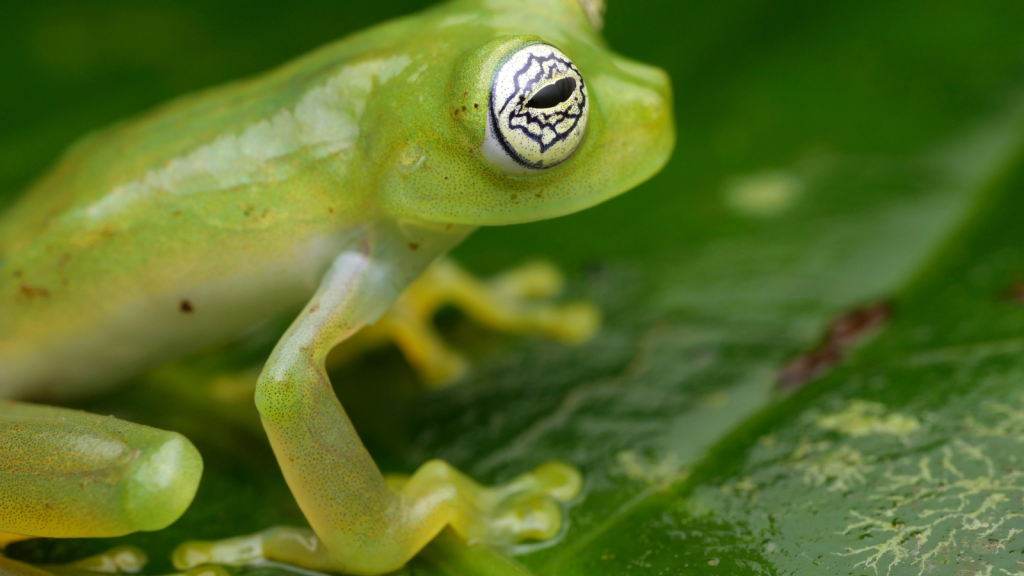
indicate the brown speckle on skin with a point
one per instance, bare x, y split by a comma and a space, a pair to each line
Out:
463, 108
414, 246
176, 213
515, 196
32, 292
843, 333
330, 210
186, 306
18, 273
475, 105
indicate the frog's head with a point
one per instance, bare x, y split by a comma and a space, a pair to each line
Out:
523, 127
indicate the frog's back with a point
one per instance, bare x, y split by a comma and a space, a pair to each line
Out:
185, 226
97, 165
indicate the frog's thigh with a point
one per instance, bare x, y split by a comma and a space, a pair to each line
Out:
67, 474
363, 524
509, 302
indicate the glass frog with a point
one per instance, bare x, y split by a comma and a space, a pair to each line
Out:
335, 182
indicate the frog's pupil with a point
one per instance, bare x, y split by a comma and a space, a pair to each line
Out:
553, 94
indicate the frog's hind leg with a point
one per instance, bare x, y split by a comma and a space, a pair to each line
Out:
516, 301
363, 523
71, 474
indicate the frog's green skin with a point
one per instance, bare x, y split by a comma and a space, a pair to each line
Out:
332, 181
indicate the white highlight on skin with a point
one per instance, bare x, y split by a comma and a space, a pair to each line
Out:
161, 467
325, 121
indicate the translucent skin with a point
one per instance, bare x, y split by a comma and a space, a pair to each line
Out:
333, 181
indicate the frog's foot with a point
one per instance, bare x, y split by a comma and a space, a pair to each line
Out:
516, 301
10, 567
526, 508
71, 474
120, 560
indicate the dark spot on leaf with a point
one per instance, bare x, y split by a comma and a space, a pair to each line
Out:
809, 366
843, 333
596, 271
850, 328
414, 246
186, 306
1016, 293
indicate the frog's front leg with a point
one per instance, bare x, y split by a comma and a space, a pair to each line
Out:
363, 523
511, 302
71, 474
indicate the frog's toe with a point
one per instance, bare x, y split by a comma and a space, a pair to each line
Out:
559, 480
536, 279
530, 517
526, 508
575, 323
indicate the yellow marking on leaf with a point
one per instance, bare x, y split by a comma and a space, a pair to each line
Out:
862, 418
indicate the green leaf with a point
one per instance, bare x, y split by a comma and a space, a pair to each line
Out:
831, 154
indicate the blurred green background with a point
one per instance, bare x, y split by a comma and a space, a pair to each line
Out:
830, 154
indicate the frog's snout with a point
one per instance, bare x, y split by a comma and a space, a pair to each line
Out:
162, 483
636, 100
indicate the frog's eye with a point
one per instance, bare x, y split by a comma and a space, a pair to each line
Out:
538, 111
